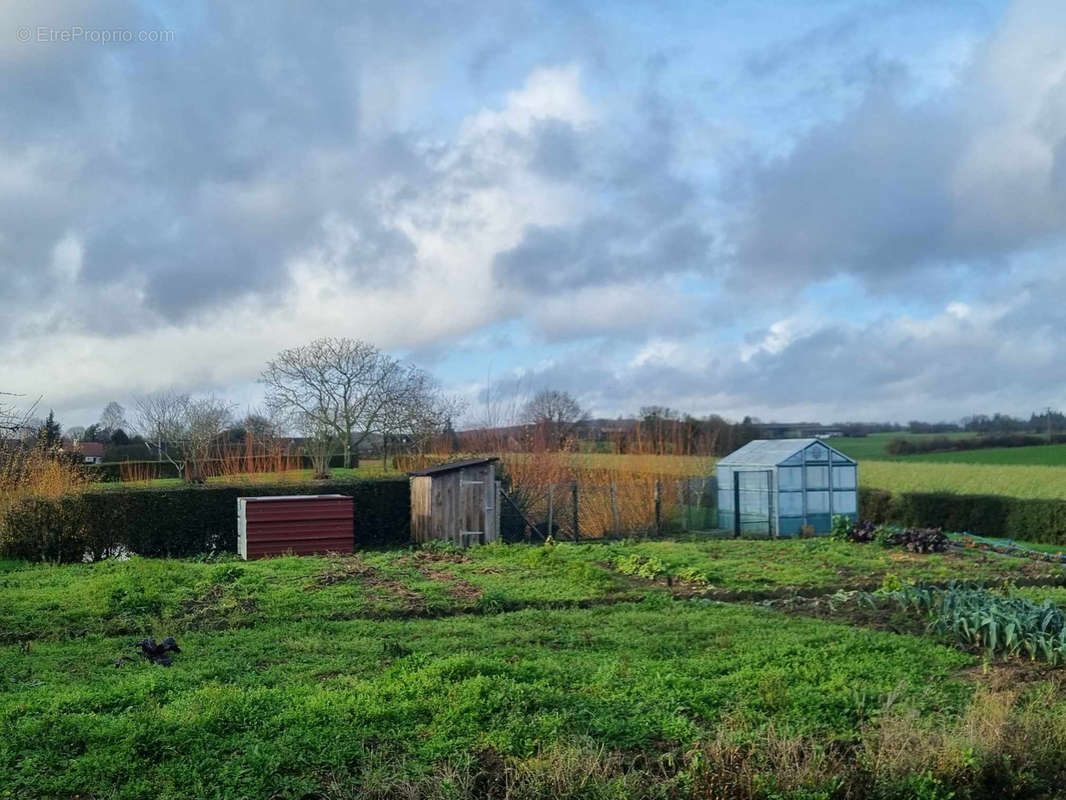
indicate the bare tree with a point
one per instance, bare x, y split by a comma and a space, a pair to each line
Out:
113, 417
344, 385
417, 411
262, 426
185, 431
206, 420
556, 416
320, 441
13, 422
160, 419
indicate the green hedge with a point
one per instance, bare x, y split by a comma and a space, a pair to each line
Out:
981, 514
183, 521
112, 471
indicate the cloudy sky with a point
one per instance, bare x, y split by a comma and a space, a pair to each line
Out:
819, 210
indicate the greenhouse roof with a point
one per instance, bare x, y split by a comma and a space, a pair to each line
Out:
771, 452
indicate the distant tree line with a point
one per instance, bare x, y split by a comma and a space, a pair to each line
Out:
331, 395
942, 444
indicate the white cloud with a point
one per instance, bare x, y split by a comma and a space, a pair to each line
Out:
66, 258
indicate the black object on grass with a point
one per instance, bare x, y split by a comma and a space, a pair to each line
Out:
157, 653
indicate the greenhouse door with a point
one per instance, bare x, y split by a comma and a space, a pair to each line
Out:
751, 501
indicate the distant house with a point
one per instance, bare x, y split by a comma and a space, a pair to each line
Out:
90, 452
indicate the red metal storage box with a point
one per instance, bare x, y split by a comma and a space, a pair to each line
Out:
298, 524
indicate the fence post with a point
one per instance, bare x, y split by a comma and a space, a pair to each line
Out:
658, 508
551, 509
577, 528
496, 511
682, 500
615, 517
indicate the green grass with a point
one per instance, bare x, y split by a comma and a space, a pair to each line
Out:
159, 596
805, 565
429, 672
285, 710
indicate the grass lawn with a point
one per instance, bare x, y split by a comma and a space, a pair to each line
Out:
580, 670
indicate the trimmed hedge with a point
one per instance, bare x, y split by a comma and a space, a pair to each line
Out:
183, 521
995, 516
112, 471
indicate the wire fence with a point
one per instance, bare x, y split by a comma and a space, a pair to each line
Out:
636, 506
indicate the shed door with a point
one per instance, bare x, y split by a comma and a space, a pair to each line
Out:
752, 501
472, 507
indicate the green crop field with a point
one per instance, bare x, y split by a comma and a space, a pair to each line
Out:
577, 670
872, 448
1053, 455
1013, 481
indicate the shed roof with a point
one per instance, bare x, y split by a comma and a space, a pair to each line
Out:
771, 452
452, 465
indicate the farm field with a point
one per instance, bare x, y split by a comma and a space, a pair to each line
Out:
1013, 481
578, 670
872, 448
1052, 455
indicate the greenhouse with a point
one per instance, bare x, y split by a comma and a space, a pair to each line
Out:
777, 487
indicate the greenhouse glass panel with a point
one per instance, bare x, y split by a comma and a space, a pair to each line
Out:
844, 503
790, 504
789, 478
817, 502
725, 499
817, 452
753, 482
844, 477
817, 477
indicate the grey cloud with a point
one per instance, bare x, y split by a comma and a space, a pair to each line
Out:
946, 365
555, 153
652, 222
897, 186
196, 168
601, 251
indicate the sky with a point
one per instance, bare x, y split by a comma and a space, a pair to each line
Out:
795, 210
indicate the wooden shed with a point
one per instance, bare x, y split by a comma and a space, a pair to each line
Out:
457, 502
